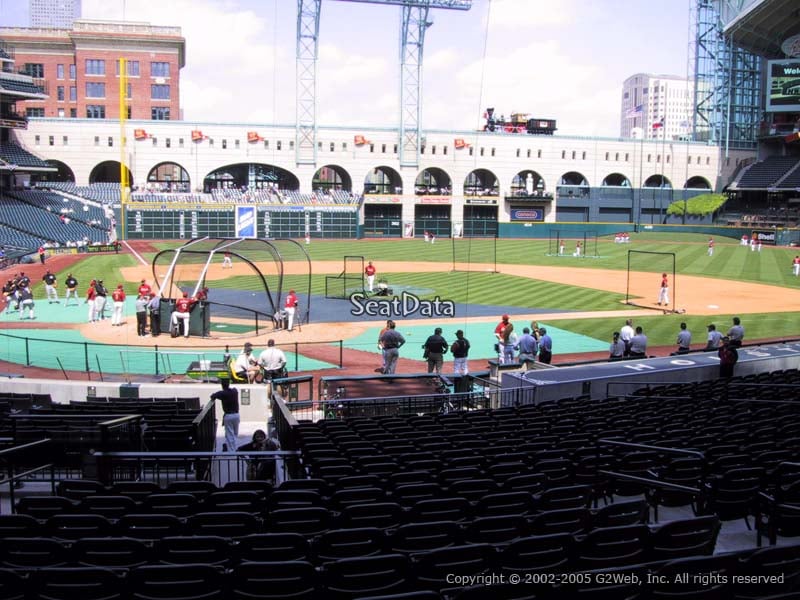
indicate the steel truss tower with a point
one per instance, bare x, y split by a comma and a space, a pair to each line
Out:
412, 40
727, 81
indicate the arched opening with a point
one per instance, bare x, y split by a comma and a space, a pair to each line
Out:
168, 177
616, 180
332, 178
108, 172
433, 182
697, 183
64, 173
528, 183
573, 184
657, 181
383, 180
481, 182
250, 176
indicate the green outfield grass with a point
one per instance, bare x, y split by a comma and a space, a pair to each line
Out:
730, 261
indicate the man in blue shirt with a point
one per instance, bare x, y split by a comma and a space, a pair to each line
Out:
528, 347
545, 346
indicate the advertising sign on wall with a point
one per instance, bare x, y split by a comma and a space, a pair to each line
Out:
246, 221
527, 214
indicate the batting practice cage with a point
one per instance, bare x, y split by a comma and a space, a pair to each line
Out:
250, 290
587, 240
645, 271
475, 254
349, 281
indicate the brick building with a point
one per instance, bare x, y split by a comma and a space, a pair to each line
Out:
79, 69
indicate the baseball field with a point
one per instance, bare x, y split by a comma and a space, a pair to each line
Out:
581, 300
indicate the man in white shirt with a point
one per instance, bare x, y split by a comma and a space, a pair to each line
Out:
714, 338
272, 360
246, 365
626, 335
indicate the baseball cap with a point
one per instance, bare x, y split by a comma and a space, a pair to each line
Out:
248, 346
505, 317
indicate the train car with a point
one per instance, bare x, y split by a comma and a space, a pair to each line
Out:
518, 123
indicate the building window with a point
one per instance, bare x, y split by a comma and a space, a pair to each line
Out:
155, 141
626, 157
319, 146
383, 149
65, 141
481, 151
583, 155
266, 144
606, 155
159, 92
73, 93
649, 157
395, 149
95, 89
658, 158
132, 69
61, 113
128, 111
563, 154
180, 142
616, 156
422, 149
538, 154
573, 155
72, 72
668, 157
73, 113
110, 142
444, 150
159, 113
708, 160
433, 149
95, 111
291, 144
60, 93
159, 69
224, 144
688, 160
37, 139
332, 146
372, 148
95, 66
471, 151
59, 71
344, 146
34, 112
97, 140
236, 144
34, 69
168, 143
51, 140
492, 151
278, 145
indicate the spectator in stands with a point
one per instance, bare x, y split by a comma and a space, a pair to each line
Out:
435, 347
714, 338
638, 344
545, 346
230, 407
684, 340
617, 349
183, 308
260, 468
736, 333
460, 350
728, 357
528, 347
392, 340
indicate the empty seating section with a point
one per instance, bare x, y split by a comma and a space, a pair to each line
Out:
42, 224
766, 173
398, 505
792, 180
16, 155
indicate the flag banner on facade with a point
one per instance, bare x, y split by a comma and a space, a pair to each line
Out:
636, 111
197, 135
460, 143
360, 140
659, 124
140, 134
253, 137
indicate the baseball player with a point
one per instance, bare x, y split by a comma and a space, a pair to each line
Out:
711, 246
370, 271
796, 266
663, 294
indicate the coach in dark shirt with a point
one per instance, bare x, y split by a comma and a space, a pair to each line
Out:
230, 420
391, 340
435, 347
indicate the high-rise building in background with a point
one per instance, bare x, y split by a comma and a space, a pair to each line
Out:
661, 106
59, 14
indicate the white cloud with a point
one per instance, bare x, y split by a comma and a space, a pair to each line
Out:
529, 14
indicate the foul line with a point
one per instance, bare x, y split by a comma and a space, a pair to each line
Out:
135, 253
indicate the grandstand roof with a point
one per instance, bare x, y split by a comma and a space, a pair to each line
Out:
762, 27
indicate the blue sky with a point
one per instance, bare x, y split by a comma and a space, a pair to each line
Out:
562, 59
